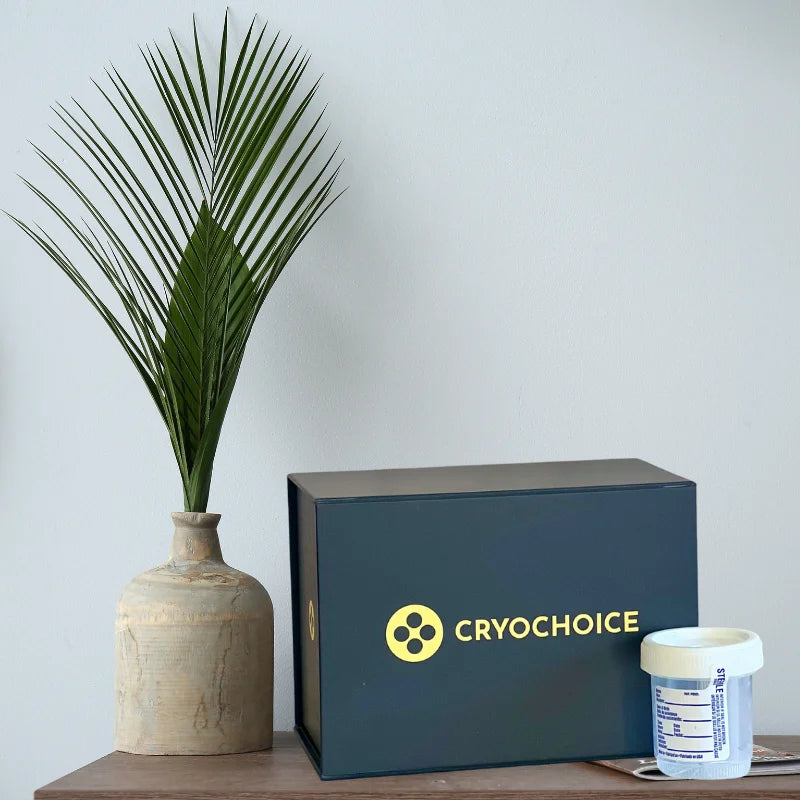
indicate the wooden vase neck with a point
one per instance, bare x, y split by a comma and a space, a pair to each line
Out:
195, 538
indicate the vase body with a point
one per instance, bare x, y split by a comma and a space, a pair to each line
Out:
194, 652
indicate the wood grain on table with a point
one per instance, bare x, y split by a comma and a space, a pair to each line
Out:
285, 773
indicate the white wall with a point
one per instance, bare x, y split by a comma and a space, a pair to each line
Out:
572, 232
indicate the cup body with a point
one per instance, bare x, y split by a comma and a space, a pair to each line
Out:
693, 739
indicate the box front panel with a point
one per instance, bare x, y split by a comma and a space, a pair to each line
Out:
474, 630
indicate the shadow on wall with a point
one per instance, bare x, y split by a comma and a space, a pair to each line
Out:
317, 358
767, 35
5, 419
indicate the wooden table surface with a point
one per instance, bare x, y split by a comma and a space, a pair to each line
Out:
285, 773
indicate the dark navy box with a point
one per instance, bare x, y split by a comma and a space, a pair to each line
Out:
461, 617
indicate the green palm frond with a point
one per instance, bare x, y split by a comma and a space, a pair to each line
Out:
191, 234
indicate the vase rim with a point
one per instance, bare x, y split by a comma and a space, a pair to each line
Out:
195, 519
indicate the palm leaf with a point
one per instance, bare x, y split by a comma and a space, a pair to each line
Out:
188, 239
198, 351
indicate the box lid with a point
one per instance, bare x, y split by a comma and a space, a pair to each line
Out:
486, 478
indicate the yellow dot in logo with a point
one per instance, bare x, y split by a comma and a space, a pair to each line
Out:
311, 619
414, 633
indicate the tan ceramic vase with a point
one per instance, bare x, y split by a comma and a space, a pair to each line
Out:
194, 652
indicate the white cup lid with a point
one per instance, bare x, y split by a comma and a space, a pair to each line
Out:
692, 653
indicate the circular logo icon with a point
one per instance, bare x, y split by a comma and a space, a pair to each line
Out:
311, 619
414, 633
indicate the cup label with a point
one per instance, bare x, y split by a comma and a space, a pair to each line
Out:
692, 724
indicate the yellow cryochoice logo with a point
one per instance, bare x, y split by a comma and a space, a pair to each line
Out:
414, 632
311, 627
